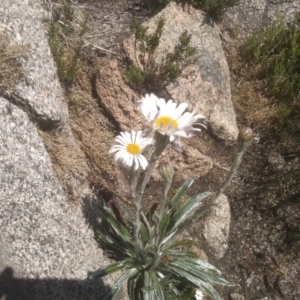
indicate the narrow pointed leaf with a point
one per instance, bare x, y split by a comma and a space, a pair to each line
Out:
150, 245
149, 288
132, 286
182, 215
165, 279
169, 239
118, 284
110, 242
188, 223
164, 226
158, 288
144, 234
111, 268
200, 273
200, 212
188, 208
182, 253
167, 242
181, 192
168, 279
120, 230
125, 211
204, 286
195, 261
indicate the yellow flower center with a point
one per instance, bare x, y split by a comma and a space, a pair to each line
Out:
164, 122
133, 149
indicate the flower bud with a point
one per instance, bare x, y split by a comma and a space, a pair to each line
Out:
245, 138
166, 171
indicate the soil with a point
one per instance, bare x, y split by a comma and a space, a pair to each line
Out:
263, 253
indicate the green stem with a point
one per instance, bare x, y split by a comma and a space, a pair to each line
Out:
161, 143
243, 142
160, 215
145, 221
157, 226
133, 183
226, 182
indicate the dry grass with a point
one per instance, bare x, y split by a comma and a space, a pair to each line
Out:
94, 134
85, 160
11, 71
68, 162
248, 93
273, 189
257, 109
256, 106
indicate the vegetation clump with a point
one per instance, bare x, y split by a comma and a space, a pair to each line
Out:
214, 8
267, 75
149, 74
274, 55
67, 58
147, 245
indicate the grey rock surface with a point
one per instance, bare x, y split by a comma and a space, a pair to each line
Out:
217, 225
208, 89
249, 15
44, 239
47, 248
40, 94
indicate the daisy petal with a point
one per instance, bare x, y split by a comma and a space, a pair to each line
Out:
129, 147
170, 118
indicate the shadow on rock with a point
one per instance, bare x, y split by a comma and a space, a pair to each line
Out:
12, 288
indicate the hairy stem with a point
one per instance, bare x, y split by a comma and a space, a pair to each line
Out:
226, 182
161, 143
243, 142
161, 212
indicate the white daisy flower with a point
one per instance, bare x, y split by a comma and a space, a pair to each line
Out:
169, 118
129, 149
199, 295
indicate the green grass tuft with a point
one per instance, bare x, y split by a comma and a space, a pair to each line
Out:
67, 59
145, 73
274, 55
214, 8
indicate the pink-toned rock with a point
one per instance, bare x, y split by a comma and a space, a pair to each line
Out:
187, 162
120, 102
217, 225
208, 89
117, 99
203, 96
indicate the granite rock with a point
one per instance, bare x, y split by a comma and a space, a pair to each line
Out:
47, 247
208, 89
121, 103
117, 99
40, 93
43, 236
248, 15
216, 227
